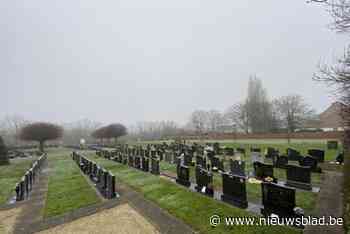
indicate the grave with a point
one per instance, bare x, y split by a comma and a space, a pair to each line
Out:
278, 200
281, 162
293, 155
145, 164
137, 162
237, 167
271, 153
340, 158
229, 151
183, 175
201, 161
262, 171
131, 161
234, 190
155, 166
187, 160
310, 162
299, 177
215, 161
204, 180
317, 154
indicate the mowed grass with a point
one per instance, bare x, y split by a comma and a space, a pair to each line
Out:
67, 189
10, 175
193, 208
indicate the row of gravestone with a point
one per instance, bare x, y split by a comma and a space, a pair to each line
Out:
234, 186
103, 179
25, 186
141, 162
276, 199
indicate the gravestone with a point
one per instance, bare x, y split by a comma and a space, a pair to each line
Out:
187, 160
131, 161
204, 180
317, 154
4, 160
221, 167
215, 161
183, 175
201, 161
262, 171
332, 145
237, 167
299, 177
229, 151
137, 162
278, 200
281, 162
110, 190
340, 158
145, 164
310, 162
293, 155
155, 166
234, 190
256, 157
271, 153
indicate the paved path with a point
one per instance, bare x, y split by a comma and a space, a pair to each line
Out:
329, 203
33, 207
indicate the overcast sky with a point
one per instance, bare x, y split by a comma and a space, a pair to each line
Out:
134, 60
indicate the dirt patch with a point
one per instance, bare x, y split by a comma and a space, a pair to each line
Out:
8, 219
121, 219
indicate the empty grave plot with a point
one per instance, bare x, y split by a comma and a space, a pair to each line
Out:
192, 208
67, 189
10, 175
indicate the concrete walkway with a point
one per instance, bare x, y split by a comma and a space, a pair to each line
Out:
329, 203
33, 207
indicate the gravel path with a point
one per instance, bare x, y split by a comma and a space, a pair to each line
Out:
120, 219
8, 219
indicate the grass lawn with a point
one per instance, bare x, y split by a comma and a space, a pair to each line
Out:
68, 189
10, 175
193, 208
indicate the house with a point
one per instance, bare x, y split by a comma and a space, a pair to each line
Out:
328, 120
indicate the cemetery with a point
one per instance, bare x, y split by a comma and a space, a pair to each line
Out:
175, 117
191, 181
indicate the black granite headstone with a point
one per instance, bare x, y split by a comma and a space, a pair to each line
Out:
234, 190
299, 177
237, 167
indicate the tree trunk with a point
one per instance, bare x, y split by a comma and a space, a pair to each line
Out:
41, 146
288, 136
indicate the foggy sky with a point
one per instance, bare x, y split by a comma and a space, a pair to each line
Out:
134, 60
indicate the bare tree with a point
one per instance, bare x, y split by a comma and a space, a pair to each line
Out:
238, 115
12, 125
340, 12
293, 112
215, 119
199, 120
